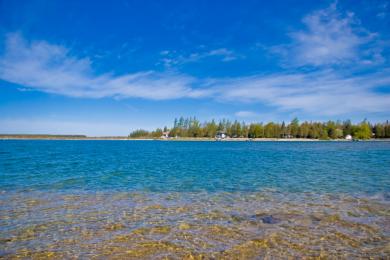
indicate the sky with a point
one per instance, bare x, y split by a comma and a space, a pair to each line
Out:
109, 67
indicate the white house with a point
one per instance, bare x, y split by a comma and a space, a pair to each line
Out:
165, 135
348, 137
220, 136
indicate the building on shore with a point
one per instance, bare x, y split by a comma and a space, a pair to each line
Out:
165, 135
220, 136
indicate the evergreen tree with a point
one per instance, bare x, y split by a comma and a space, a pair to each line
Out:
387, 130
191, 127
347, 128
304, 130
294, 127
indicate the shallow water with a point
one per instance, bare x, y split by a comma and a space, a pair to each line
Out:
150, 199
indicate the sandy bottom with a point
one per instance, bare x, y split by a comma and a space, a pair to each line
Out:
193, 225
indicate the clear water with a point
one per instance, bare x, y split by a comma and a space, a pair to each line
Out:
156, 199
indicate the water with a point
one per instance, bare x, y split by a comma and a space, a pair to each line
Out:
155, 199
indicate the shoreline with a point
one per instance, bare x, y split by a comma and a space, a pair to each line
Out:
192, 139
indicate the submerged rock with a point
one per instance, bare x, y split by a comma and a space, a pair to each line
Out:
266, 219
270, 220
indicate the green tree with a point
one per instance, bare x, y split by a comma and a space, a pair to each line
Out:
387, 129
236, 129
191, 127
363, 131
244, 129
283, 130
294, 127
347, 128
256, 130
194, 128
379, 130
334, 130
139, 133
157, 133
323, 134
271, 130
210, 129
304, 130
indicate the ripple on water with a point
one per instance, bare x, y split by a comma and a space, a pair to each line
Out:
216, 225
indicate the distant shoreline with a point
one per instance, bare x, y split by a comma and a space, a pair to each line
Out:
124, 138
61, 137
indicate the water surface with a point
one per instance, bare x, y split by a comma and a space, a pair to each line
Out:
155, 199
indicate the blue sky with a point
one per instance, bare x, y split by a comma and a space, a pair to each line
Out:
99, 68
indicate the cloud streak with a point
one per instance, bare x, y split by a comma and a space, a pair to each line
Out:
52, 68
171, 58
319, 93
245, 114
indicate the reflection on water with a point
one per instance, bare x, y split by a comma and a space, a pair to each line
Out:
192, 225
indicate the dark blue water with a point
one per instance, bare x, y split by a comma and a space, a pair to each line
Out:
158, 166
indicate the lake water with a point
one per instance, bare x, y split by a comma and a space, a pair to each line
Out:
156, 199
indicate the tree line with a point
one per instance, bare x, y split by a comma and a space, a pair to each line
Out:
192, 127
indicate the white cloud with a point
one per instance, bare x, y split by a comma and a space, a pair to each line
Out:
226, 54
52, 69
332, 37
320, 93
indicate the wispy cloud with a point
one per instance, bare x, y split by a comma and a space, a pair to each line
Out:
331, 37
383, 10
319, 93
245, 114
53, 69
172, 58
225, 54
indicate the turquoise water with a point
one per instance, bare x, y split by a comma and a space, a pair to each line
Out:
348, 167
229, 200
